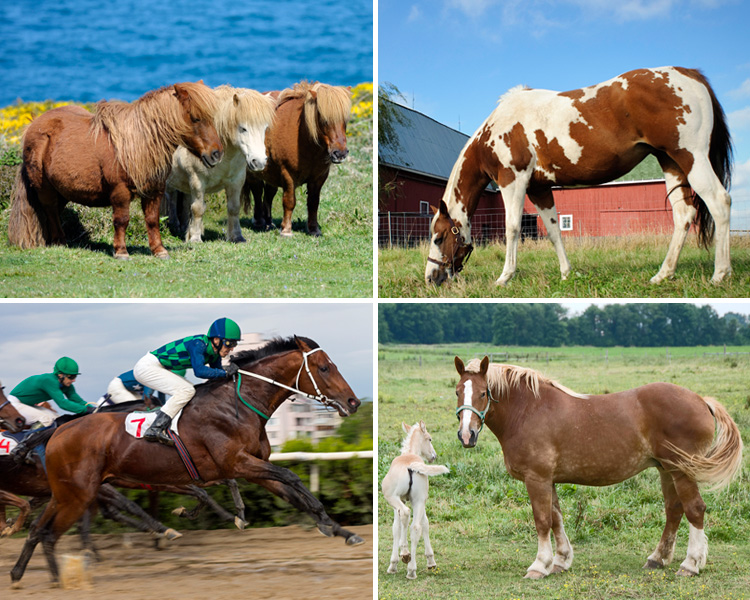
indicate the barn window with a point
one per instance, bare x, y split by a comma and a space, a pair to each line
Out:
566, 222
424, 207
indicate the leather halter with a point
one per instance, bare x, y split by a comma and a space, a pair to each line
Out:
480, 413
460, 243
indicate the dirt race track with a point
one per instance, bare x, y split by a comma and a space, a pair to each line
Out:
280, 563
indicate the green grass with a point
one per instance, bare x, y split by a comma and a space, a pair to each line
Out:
481, 524
338, 264
601, 268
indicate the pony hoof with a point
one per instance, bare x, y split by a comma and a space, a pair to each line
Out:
171, 534
411, 575
125, 256
315, 233
354, 540
163, 255
431, 567
240, 524
534, 575
239, 240
405, 558
557, 569
652, 564
287, 234
326, 530
683, 572
179, 511
391, 569
16, 585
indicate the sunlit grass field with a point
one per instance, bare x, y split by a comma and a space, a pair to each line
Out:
481, 523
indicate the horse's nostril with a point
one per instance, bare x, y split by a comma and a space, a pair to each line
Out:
216, 155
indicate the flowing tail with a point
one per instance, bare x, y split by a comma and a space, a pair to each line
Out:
721, 464
25, 229
423, 469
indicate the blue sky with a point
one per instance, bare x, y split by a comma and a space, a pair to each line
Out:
453, 59
107, 338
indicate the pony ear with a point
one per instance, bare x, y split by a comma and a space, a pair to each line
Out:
423, 427
459, 365
434, 209
405, 427
200, 81
301, 344
236, 100
181, 93
484, 365
443, 208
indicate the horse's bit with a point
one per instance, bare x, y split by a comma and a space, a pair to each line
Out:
322, 398
480, 413
458, 245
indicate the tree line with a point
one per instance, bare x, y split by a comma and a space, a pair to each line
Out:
552, 325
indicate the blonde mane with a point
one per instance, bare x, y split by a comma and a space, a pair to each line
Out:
145, 133
241, 105
330, 104
512, 92
406, 444
502, 377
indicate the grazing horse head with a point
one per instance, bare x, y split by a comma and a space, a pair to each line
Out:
474, 399
449, 247
198, 109
418, 441
326, 113
9, 416
318, 376
242, 119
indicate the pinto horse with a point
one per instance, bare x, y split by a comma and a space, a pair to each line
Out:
537, 139
309, 134
550, 434
104, 159
223, 428
242, 118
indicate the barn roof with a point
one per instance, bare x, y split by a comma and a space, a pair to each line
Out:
428, 147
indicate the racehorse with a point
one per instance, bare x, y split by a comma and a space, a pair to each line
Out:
407, 480
537, 139
309, 134
103, 159
10, 418
550, 434
242, 117
223, 429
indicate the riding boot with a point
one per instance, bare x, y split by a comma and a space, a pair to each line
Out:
158, 430
21, 452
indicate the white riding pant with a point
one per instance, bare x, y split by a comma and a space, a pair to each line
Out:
119, 393
34, 414
151, 373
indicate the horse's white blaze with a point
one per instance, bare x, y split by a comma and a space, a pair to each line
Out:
466, 414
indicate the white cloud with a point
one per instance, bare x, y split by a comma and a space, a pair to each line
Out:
472, 8
414, 14
739, 119
741, 92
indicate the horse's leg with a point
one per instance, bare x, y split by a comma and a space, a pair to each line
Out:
513, 197
545, 204
682, 215
239, 504
707, 185
313, 201
401, 517
31, 542
695, 509
563, 550
428, 551
396, 529
287, 486
664, 552
120, 199
234, 231
269, 193
113, 502
24, 509
150, 208
540, 494
194, 231
417, 523
84, 527
289, 201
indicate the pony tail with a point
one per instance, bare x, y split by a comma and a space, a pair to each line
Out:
704, 222
721, 464
25, 226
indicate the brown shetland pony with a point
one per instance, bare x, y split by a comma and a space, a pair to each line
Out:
550, 434
223, 428
537, 139
308, 135
104, 159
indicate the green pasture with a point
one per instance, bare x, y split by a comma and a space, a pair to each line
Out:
481, 523
601, 268
338, 264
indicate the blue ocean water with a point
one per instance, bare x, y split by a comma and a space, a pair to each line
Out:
88, 50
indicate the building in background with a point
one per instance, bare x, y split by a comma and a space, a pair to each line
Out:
298, 417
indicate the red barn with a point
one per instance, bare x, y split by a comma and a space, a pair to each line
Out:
413, 176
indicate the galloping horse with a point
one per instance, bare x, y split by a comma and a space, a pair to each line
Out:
103, 159
242, 117
223, 428
407, 480
536, 139
308, 135
10, 418
550, 434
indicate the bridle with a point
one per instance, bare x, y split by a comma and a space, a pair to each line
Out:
320, 397
459, 243
480, 413
2, 406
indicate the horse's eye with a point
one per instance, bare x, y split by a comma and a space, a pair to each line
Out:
439, 240
324, 369
195, 119
242, 129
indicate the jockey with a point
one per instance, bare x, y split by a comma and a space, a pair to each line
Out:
31, 398
157, 370
126, 388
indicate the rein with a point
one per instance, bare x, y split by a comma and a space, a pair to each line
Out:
322, 398
481, 414
4, 404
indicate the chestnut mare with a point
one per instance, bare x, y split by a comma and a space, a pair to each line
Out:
537, 139
223, 428
550, 434
103, 159
308, 135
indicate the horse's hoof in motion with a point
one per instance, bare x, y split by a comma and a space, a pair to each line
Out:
326, 530
171, 534
354, 540
240, 524
534, 575
683, 572
16, 585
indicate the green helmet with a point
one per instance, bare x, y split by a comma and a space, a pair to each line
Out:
226, 329
66, 366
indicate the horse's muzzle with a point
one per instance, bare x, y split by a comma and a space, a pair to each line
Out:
256, 164
338, 156
471, 441
213, 159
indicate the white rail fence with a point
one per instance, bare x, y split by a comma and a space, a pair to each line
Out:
315, 456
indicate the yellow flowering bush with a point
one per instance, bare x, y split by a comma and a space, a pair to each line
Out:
362, 101
14, 118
